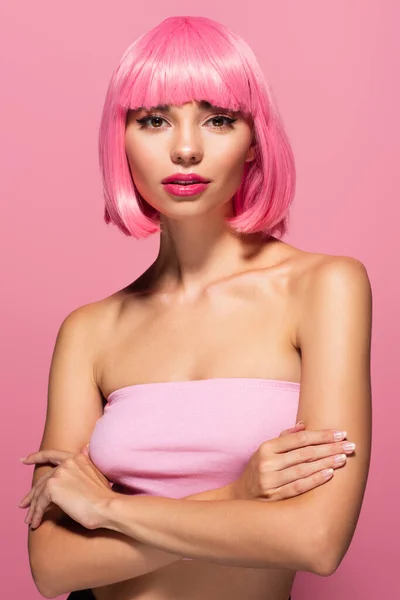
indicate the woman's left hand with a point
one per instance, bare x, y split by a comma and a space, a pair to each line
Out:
75, 485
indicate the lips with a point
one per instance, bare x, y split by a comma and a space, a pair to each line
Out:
185, 182
186, 190
185, 179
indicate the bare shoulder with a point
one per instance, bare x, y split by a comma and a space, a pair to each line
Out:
92, 324
320, 279
311, 269
92, 318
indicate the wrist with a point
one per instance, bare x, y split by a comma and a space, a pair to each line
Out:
109, 509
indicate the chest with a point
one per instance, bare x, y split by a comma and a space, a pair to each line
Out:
177, 438
241, 330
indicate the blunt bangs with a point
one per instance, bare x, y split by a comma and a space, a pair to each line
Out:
195, 58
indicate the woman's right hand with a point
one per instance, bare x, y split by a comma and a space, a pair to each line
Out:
290, 465
53, 457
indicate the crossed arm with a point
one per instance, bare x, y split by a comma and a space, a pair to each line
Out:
66, 556
309, 532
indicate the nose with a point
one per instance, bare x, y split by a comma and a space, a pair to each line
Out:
187, 149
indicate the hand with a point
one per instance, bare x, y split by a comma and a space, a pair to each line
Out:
289, 465
54, 457
75, 485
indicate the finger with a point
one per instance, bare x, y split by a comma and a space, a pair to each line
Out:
30, 512
303, 438
54, 457
304, 470
308, 454
43, 502
26, 500
297, 427
37, 491
301, 485
34, 499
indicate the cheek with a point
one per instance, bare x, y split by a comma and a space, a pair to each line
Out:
232, 162
141, 159
231, 153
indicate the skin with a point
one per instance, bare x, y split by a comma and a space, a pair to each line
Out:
197, 247
198, 254
221, 285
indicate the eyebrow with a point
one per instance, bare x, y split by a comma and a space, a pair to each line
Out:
203, 105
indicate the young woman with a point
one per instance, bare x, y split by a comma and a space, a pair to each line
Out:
185, 385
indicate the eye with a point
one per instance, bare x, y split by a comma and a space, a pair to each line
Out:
229, 120
143, 121
158, 118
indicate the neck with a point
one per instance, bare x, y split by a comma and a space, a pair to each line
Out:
198, 251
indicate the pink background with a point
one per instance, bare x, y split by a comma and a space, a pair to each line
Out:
334, 68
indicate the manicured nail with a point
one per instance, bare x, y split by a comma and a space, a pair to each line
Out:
300, 423
327, 473
22, 459
339, 458
349, 446
339, 435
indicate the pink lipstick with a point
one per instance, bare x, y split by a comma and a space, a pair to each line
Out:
185, 184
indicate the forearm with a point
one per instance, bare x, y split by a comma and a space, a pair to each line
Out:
73, 558
243, 533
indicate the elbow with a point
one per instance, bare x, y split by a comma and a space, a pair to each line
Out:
326, 557
45, 562
44, 576
48, 584
325, 568
46, 589
47, 594
42, 582
43, 586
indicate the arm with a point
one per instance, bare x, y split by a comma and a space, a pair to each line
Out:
311, 531
63, 555
77, 558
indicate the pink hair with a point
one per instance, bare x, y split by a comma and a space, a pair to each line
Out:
195, 58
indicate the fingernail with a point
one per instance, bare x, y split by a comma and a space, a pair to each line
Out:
300, 423
339, 458
327, 473
349, 446
22, 459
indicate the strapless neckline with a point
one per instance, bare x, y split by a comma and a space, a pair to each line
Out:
217, 381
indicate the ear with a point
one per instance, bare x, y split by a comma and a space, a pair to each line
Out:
250, 153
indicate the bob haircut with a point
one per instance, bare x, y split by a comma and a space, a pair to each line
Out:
195, 58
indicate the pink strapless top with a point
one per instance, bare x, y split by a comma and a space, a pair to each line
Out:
174, 439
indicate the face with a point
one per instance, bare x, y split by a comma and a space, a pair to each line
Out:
192, 138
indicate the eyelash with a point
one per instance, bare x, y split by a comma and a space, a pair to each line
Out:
142, 121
